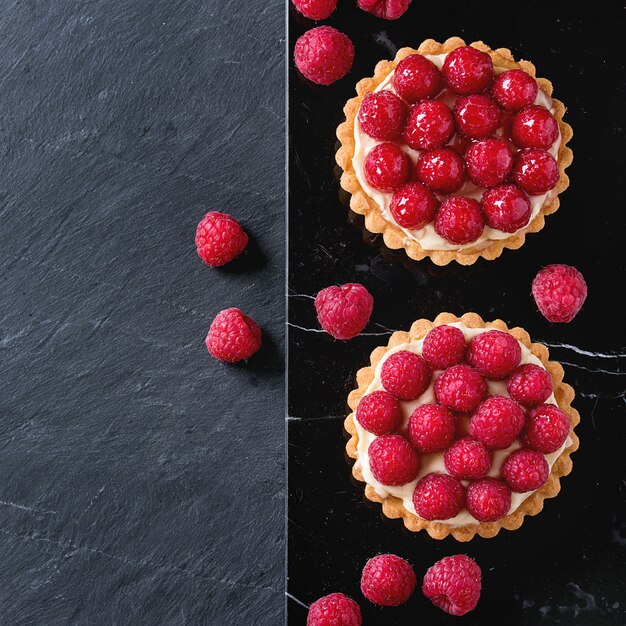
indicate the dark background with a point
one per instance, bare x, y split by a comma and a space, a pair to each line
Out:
568, 565
141, 482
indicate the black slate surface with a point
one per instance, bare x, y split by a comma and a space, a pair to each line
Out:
141, 481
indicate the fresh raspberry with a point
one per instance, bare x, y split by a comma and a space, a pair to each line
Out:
497, 422
529, 385
495, 354
417, 78
387, 9
233, 336
460, 388
405, 375
525, 470
488, 499
387, 167
388, 580
315, 9
560, 292
547, 428
438, 497
393, 460
344, 310
442, 169
467, 459
459, 220
453, 584
382, 115
535, 171
432, 428
488, 162
476, 115
324, 55
467, 70
506, 208
430, 124
444, 346
219, 239
413, 206
514, 89
534, 127
334, 610
379, 413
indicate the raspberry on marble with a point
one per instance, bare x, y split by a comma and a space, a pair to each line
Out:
393, 460
488, 162
438, 497
497, 422
315, 9
459, 220
431, 428
429, 125
529, 385
534, 127
324, 55
382, 115
506, 208
495, 353
560, 292
525, 470
444, 346
514, 89
467, 70
335, 609
388, 580
488, 499
535, 171
405, 375
344, 310
386, 9
547, 428
413, 205
442, 169
460, 388
468, 459
387, 167
379, 413
417, 78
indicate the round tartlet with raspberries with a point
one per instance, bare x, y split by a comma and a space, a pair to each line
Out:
461, 427
454, 152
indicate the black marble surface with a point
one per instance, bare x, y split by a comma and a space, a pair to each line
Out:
141, 482
568, 565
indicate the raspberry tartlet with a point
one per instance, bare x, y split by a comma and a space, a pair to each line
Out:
454, 152
485, 433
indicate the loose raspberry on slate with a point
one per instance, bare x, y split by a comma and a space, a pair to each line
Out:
525, 470
444, 346
417, 78
393, 460
442, 169
468, 459
429, 125
460, 388
382, 115
324, 55
467, 70
488, 162
534, 127
387, 9
432, 428
497, 422
488, 499
379, 413
535, 171
219, 239
529, 385
514, 89
506, 208
494, 353
405, 375
233, 336
344, 310
459, 220
453, 584
438, 497
476, 115
315, 9
560, 292
413, 205
335, 609
387, 167
547, 428
388, 580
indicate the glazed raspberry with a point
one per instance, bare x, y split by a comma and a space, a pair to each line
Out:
387, 9
488, 162
467, 70
334, 610
535, 171
442, 169
467, 459
430, 124
560, 292
432, 428
495, 354
393, 460
547, 428
233, 336
417, 78
488, 499
324, 55
382, 115
219, 239
525, 470
444, 346
405, 375
460, 388
514, 89
388, 580
315, 9
497, 422
413, 206
387, 167
534, 127
459, 220
379, 413
506, 208
529, 385
344, 310
453, 584
438, 497
476, 115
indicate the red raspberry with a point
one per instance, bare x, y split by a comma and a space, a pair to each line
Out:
476, 115
453, 584
334, 610
534, 127
429, 125
438, 497
379, 413
405, 375
417, 78
525, 470
467, 70
388, 580
547, 428
387, 167
382, 115
233, 336
442, 169
219, 239
459, 220
535, 171
560, 292
343, 311
413, 206
506, 208
529, 385
315, 9
488, 162
467, 459
387, 9
497, 422
444, 346
488, 499
495, 354
393, 460
460, 388
432, 428
514, 89
324, 55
